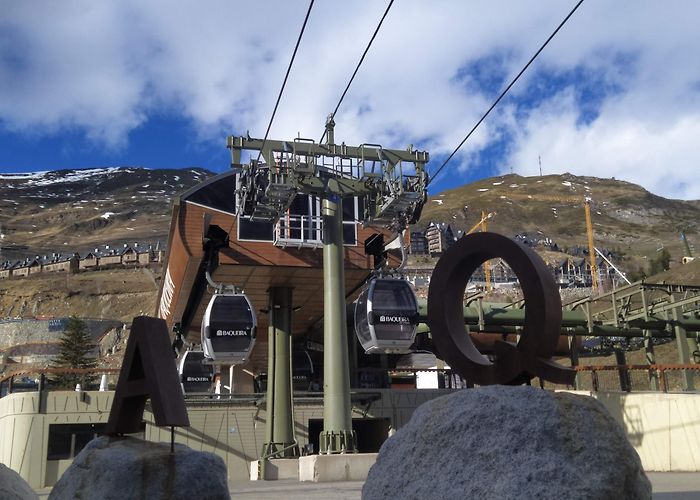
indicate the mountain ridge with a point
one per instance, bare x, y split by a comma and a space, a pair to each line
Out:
78, 210
624, 216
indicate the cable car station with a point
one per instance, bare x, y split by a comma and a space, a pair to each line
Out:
278, 246
270, 268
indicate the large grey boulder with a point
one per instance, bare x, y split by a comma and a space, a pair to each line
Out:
508, 442
13, 487
119, 468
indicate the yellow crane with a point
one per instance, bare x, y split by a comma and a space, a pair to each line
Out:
483, 226
480, 224
586, 201
487, 267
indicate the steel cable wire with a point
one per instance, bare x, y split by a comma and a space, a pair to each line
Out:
340, 101
517, 77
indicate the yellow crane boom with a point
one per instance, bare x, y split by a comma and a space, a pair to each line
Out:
480, 224
487, 267
483, 226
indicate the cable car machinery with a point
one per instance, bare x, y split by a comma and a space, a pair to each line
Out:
391, 188
265, 191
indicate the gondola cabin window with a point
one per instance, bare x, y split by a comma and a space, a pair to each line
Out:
195, 376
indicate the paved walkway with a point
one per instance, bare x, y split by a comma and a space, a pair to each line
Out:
289, 489
666, 485
675, 485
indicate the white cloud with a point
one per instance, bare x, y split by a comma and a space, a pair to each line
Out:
105, 67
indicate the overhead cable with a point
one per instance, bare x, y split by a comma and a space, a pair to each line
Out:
358, 66
505, 91
286, 76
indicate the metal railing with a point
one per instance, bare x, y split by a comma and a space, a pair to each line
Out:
299, 230
625, 378
632, 378
22, 380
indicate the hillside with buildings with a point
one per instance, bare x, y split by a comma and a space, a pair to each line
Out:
50, 216
63, 221
629, 224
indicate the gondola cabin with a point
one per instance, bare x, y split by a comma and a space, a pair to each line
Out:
386, 316
228, 328
195, 375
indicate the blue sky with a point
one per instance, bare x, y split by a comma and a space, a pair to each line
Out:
616, 93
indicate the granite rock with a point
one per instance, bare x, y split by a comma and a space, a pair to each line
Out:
117, 468
13, 487
507, 443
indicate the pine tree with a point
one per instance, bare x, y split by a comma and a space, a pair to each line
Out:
74, 352
661, 263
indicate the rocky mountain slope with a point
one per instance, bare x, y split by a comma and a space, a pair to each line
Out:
80, 209
118, 294
77, 210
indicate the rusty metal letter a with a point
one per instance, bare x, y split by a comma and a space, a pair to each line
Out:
148, 370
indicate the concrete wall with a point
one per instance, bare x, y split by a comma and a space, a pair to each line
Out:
24, 430
663, 428
236, 431
31, 331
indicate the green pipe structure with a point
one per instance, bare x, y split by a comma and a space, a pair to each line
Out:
495, 316
337, 435
280, 440
578, 331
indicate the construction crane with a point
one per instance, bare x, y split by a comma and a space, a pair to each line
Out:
591, 246
487, 267
586, 201
483, 226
